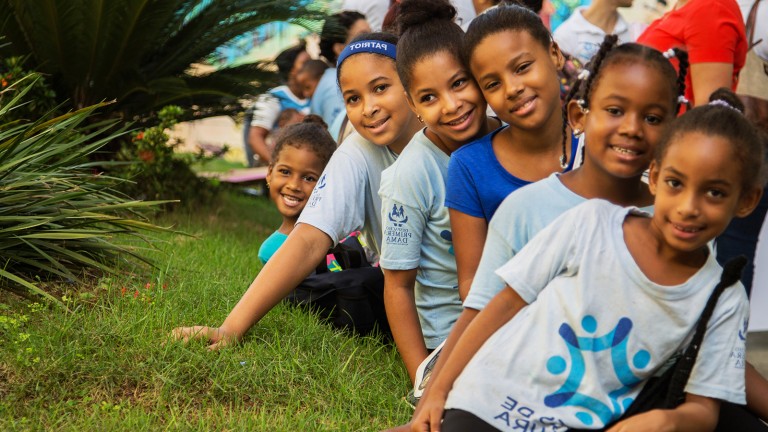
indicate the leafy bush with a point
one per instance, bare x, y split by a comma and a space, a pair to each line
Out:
40, 99
156, 171
58, 215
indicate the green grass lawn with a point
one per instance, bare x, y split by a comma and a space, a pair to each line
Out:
108, 364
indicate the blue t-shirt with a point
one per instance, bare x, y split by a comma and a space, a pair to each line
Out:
478, 183
417, 234
327, 101
271, 245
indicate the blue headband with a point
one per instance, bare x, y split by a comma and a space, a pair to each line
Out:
367, 46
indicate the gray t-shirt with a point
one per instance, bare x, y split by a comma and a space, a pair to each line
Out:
345, 198
417, 234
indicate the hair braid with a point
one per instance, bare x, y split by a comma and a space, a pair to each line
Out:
682, 59
606, 46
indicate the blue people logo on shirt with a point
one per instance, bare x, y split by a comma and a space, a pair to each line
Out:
615, 343
743, 330
398, 216
321, 182
447, 236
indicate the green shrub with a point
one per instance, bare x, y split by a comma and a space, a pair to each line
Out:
58, 214
155, 171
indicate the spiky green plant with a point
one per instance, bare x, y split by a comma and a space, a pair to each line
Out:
141, 53
58, 216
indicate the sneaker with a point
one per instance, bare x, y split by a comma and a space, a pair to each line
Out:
423, 373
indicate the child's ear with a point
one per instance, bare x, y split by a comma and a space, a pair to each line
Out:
653, 177
577, 117
748, 201
338, 48
557, 55
410, 102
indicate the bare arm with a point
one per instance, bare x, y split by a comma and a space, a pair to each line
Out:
757, 392
468, 240
400, 305
708, 77
696, 414
257, 139
304, 249
499, 311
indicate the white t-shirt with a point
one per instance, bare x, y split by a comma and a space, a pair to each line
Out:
269, 105
581, 39
374, 10
761, 25
346, 197
596, 328
417, 234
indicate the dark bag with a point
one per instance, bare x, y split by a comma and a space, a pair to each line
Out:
668, 390
350, 299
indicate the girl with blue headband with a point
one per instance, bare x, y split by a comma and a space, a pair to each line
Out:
345, 198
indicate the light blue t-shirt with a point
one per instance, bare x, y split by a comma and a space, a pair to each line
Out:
327, 101
518, 219
478, 183
417, 234
271, 245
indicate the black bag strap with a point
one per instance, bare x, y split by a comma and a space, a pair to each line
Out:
731, 274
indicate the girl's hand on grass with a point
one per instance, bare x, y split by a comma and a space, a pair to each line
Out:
430, 414
216, 337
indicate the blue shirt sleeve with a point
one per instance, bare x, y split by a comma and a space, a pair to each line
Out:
461, 193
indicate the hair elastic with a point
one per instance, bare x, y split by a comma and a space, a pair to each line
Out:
668, 54
720, 102
367, 46
682, 100
583, 75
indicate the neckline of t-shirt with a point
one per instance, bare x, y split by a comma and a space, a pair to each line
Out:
668, 292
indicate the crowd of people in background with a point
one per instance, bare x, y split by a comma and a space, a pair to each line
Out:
548, 239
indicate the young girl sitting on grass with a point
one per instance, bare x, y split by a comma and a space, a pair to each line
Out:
301, 152
420, 287
604, 296
345, 198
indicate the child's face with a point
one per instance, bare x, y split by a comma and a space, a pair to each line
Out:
375, 101
446, 97
307, 83
518, 77
698, 191
291, 178
629, 108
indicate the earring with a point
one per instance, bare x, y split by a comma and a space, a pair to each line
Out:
583, 106
267, 184
419, 117
577, 132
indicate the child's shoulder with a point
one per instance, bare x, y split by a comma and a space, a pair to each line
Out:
480, 146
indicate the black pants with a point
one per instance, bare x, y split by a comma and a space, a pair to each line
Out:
733, 418
456, 420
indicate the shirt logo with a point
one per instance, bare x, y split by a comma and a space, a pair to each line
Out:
398, 216
321, 182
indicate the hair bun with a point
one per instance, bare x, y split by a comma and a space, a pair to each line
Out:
418, 12
726, 95
315, 119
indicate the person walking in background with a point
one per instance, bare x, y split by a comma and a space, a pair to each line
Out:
262, 118
581, 34
712, 31
338, 30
